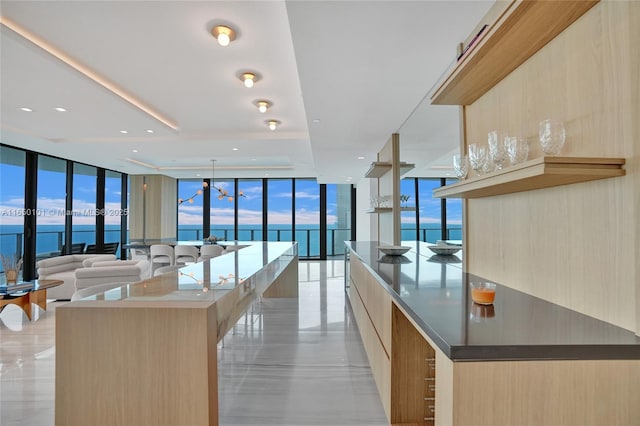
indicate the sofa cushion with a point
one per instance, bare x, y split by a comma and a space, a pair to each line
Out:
87, 263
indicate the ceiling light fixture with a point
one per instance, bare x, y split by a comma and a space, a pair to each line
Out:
25, 109
263, 106
248, 79
361, 158
222, 193
124, 132
273, 124
150, 131
60, 109
223, 34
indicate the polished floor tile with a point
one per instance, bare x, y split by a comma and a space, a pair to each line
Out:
286, 362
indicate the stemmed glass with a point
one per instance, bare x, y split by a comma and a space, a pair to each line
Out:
461, 165
478, 158
497, 149
552, 136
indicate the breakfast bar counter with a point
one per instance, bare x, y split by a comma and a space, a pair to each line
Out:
146, 353
438, 357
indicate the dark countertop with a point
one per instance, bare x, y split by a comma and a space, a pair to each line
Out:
432, 289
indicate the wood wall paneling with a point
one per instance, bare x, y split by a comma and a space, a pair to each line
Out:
575, 245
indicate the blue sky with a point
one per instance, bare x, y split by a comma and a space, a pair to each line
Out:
51, 200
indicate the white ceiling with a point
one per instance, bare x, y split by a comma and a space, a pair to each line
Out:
359, 67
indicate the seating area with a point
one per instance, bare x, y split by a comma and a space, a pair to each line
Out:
79, 271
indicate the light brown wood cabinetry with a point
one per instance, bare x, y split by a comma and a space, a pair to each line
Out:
420, 385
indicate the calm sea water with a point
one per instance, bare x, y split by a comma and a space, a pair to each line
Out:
50, 237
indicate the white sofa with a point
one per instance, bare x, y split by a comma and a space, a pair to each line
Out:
64, 268
103, 272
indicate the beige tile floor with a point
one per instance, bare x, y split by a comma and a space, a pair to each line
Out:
287, 362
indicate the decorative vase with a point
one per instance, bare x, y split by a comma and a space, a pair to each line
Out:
12, 276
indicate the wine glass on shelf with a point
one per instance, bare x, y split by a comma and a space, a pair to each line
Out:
460, 165
497, 149
477, 158
552, 136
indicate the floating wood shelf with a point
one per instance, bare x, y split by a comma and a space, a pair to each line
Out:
519, 32
538, 173
379, 169
389, 209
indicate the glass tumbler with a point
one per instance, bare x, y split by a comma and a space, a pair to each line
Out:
497, 149
461, 165
518, 149
552, 136
477, 158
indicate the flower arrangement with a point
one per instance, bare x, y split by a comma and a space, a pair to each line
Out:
11, 264
211, 239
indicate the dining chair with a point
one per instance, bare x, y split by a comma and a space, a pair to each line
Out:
161, 255
186, 254
209, 251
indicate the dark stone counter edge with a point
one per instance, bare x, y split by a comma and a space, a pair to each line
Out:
511, 352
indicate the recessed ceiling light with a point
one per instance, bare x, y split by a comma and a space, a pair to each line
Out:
134, 150
198, 174
234, 149
223, 34
124, 132
273, 124
316, 120
253, 159
150, 131
25, 109
349, 178
361, 158
60, 109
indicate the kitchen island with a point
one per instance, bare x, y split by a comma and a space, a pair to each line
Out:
146, 353
438, 358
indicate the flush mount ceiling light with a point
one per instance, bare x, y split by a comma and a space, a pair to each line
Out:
223, 34
263, 106
273, 124
248, 78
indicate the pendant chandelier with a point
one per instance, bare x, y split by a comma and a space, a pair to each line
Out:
222, 193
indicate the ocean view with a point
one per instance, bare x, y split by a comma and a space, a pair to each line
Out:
51, 237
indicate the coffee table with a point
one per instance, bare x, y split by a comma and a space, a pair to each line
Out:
26, 293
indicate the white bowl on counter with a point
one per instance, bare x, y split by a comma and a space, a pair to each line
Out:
394, 250
445, 250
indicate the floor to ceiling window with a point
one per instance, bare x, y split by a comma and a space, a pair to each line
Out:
338, 217
430, 211
407, 212
113, 208
12, 208
84, 207
454, 216
250, 210
51, 205
222, 209
190, 209
279, 210
307, 217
